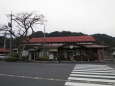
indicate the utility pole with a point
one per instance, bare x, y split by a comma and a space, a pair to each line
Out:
10, 25
5, 40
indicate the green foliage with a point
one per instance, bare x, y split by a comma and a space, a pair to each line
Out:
42, 59
103, 39
15, 55
38, 34
11, 59
57, 34
7, 42
1, 41
107, 40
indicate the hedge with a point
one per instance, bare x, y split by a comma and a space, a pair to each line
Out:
11, 59
42, 59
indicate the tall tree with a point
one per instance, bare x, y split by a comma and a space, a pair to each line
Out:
24, 22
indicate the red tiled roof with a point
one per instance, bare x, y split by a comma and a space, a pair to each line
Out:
4, 50
64, 39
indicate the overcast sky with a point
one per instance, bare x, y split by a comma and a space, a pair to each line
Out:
87, 16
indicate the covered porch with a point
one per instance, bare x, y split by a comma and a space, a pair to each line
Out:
78, 52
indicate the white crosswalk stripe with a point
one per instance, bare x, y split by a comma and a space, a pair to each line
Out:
91, 75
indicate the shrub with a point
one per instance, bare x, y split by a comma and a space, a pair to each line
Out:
15, 55
11, 59
42, 59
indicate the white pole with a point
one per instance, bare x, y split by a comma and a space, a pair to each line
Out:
44, 42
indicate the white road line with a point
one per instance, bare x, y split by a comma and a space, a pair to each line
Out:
93, 73
97, 69
88, 65
82, 84
112, 71
97, 76
91, 67
91, 79
32, 77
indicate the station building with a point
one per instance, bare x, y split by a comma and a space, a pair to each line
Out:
70, 48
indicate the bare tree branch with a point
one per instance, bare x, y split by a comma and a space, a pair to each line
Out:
25, 22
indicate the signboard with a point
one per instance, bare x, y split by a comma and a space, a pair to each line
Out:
51, 56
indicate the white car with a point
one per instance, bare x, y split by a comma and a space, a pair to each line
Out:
3, 56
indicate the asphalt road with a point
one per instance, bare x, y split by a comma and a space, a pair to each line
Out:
34, 74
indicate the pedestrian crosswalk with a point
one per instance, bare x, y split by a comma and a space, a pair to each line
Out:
91, 75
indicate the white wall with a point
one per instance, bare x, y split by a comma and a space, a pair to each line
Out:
113, 52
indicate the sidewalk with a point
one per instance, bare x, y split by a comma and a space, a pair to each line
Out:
109, 63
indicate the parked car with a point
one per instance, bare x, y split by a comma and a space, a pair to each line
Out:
3, 56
